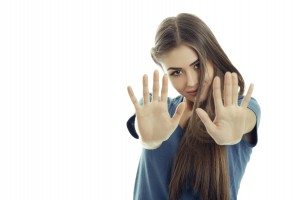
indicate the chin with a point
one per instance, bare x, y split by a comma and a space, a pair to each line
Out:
190, 98
193, 99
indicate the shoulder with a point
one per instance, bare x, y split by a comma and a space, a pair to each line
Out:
176, 100
173, 103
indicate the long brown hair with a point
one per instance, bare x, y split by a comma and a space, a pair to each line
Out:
200, 163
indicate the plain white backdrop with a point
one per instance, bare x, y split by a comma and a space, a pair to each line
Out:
64, 69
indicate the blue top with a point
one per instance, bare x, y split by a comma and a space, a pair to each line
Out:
154, 169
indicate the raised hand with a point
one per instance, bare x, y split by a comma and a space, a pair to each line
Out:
154, 122
230, 121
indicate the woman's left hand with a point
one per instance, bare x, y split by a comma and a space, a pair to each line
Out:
230, 121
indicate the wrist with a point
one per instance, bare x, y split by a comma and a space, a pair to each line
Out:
151, 145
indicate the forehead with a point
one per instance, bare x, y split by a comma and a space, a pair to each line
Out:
181, 56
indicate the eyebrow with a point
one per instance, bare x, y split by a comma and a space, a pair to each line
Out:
174, 68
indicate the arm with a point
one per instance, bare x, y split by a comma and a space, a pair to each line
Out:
231, 121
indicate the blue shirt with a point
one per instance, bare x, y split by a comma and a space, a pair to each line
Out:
154, 169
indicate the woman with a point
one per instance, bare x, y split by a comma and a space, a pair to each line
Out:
199, 151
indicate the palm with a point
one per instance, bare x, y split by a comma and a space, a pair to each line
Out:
154, 122
229, 124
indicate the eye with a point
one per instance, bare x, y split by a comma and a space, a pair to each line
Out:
176, 73
197, 66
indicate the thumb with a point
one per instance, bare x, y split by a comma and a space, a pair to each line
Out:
209, 125
178, 113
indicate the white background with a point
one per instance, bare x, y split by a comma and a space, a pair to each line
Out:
64, 69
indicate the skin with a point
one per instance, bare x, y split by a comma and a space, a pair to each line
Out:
230, 118
182, 57
154, 125
185, 78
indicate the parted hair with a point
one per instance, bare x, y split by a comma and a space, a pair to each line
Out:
200, 164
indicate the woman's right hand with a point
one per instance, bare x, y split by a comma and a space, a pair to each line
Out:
154, 122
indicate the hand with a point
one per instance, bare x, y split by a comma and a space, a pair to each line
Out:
230, 121
154, 122
187, 113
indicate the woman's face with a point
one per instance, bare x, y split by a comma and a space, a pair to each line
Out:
182, 66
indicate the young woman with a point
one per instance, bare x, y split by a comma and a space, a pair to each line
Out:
196, 145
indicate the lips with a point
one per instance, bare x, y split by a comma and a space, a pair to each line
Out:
193, 93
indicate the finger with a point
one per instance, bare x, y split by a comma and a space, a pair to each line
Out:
247, 98
133, 98
227, 89
209, 125
145, 89
178, 113
217, 94
235, 88
155, 85
164, 89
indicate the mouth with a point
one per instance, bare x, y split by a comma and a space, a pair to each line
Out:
193, 93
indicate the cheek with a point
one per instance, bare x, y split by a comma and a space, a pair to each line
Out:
177, 84
208, 77
207, 82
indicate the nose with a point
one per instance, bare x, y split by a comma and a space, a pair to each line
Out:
192, 78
